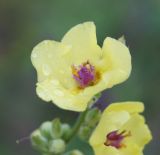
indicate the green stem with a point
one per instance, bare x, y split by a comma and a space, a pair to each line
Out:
77, 126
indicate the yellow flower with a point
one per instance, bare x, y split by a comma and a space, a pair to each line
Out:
121, 130
72, 71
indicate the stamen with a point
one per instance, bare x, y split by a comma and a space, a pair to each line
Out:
115, 138
85, 74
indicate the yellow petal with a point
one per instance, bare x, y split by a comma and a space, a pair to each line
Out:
71, 99
131, 149
52, 59
140, 133
131, 107
116, 61
48, 90
105, 150
110, 121
82, 38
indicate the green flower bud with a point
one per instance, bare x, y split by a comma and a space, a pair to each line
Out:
46, 129
38, 141
56, 128
84, 132
75, 152
93, 117
65, 130
57, 146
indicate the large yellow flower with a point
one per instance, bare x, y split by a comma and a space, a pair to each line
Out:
121, 130
72, 71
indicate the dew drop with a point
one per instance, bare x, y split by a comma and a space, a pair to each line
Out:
46, 42
55, 82
36, 48
46, 69
58, 93
50, 55
61, 71
34, 55
43, 94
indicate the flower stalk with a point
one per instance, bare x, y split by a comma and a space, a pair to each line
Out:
77, 126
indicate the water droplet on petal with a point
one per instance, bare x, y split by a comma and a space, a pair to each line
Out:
43, 94
59, 93
36, 48
46, 69
61, 71
46, 42
50, 55
55, 82
34, 55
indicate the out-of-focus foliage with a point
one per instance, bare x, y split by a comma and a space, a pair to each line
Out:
24, 23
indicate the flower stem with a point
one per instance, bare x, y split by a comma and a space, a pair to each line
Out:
76, 126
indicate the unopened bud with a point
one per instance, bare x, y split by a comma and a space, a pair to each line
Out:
45, 129
57, 146
93, 117
65, 130
56, 129
84, 132
38, 141
75, 152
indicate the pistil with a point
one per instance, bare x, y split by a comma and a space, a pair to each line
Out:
85, 75
115, 139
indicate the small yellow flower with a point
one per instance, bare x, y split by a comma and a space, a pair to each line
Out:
121, 130
72, 71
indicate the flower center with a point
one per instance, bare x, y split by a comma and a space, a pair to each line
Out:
85, 74
115, 138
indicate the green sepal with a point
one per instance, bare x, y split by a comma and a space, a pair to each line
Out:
74, 152
92, 117
84, 133
38, 141
56, 129
66, 129
122, 39
46, 129
57, 146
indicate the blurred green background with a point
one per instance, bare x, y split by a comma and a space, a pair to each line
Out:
25, 23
